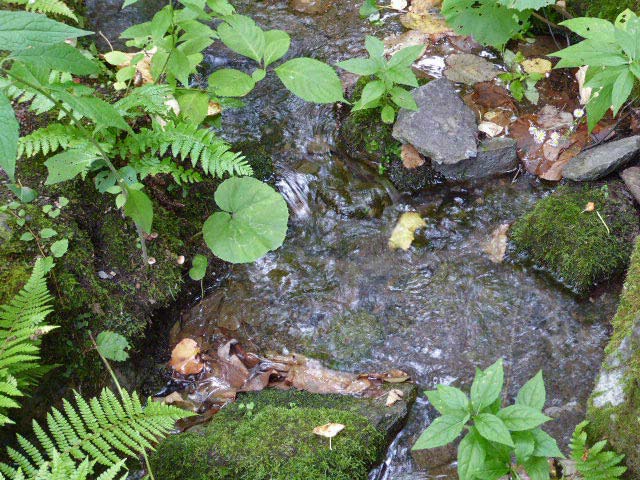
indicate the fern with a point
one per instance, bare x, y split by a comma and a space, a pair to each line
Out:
146, 100
49, 7
64, 468
185, 140
150, 166
22, 93
593, 463
100, 429
21, 326
49, 139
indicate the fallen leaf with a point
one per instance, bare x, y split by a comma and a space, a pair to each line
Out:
491, 97
585, 92
469, 69
214, 109
394, 397
143, 67
411, 158
422, 17
396, 376
550, 117
329, 431
184, 357
490, 129
398, 4
496, 247
403, 233
537, 65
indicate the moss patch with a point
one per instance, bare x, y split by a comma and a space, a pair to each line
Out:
559, 237
274, 442
608, 9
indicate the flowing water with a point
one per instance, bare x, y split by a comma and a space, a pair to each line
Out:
335, 291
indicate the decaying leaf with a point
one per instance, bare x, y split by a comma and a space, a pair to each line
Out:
329, 431
143, 67
185, 357
394, 397
411, 158
395, 376
469, 69
214, 109
490, 129
537, 65
585, 92
496, 247
404, 231
421, 16
398, 4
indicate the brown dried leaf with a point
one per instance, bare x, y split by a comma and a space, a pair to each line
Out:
396, 376
185, 359
496, 247
411, 158
394, 397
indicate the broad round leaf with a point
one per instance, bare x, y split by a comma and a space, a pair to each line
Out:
311, 80
253, 221
228, 82
113, 346
198, 267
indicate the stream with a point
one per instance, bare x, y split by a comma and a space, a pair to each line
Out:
336, 292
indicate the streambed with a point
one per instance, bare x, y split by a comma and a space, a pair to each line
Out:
335, 291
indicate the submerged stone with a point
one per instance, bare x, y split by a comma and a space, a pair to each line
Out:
496, 156
578, 247
600, 161
275, 439
614, 407
444, 128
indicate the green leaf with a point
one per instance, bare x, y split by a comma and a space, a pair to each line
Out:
359, 66
116, 58
311, 80
128, 3
622, 89
139, 208
24, 194
487, 386
243, 36
221, 7
113, 346
22, 30
9, 135
258, 75
228, 82
406, 56
533, 393
253, 221
520, 417
26, 237
61, 57
592, 28
403, 99
545, 445
526, 4
402, 75
599, 105
388, 114
493, 469
68, 164
368, 8
277, 43
442, 431
453, 399
59, 248
537, 468
194, 105
179, 66
47, 233
493, 429
592, 53
198, 267
103, 114
371, 92
524, 445
471, 456
374, 46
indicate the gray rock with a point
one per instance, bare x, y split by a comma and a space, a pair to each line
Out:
496, 156
631, 177
601, 161
443, 129
470, 69
435, 457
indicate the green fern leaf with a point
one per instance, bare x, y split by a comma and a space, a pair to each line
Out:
49, 139
48, 7
594, 463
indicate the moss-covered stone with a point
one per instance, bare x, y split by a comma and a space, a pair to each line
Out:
608, 9
275, 441
574, 245
614, 408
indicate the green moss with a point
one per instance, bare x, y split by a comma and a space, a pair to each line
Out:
608, 9
574, 246
275, 442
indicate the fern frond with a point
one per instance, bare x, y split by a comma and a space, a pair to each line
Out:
594, 463
101, 429
48, 7
187, 141
149, 99
150, 166
22, 93
21, 326
48, 139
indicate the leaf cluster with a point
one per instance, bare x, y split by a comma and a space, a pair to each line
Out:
383, 90
593, 463
495, 435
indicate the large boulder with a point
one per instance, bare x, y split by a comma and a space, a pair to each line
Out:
600, 161
444, 128
614, 407
274, 439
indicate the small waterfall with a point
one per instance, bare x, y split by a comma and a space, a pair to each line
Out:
294, 187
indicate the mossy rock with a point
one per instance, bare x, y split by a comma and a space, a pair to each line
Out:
275, 441
574, 245
614, 407
607, 9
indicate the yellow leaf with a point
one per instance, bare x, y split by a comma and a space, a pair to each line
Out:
403, 233
184, 357
537, 65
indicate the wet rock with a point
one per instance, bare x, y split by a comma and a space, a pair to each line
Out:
435, 457
496, 156
5, 228
601, 161
277, 437
414, 179
469, 69
312, 7
631, 177
443, 129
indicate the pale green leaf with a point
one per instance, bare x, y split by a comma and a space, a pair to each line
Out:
243, 36
471, 456
221, 7
388, 114
493, 429
194, 105
371, 92
374, 46
253, 221
622, 89
545, 445
486, 386
139, 208
229, 82
526, 4
67, 165
311, 80
277, 43
9, 135
359, 66
406, 56
592, 28
524, 445
47, 233
113, 346
198, 267
403, 99
22, 30
442, 431
533, 393
59, 248
61, 57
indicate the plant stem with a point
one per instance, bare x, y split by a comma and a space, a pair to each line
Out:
548, 22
